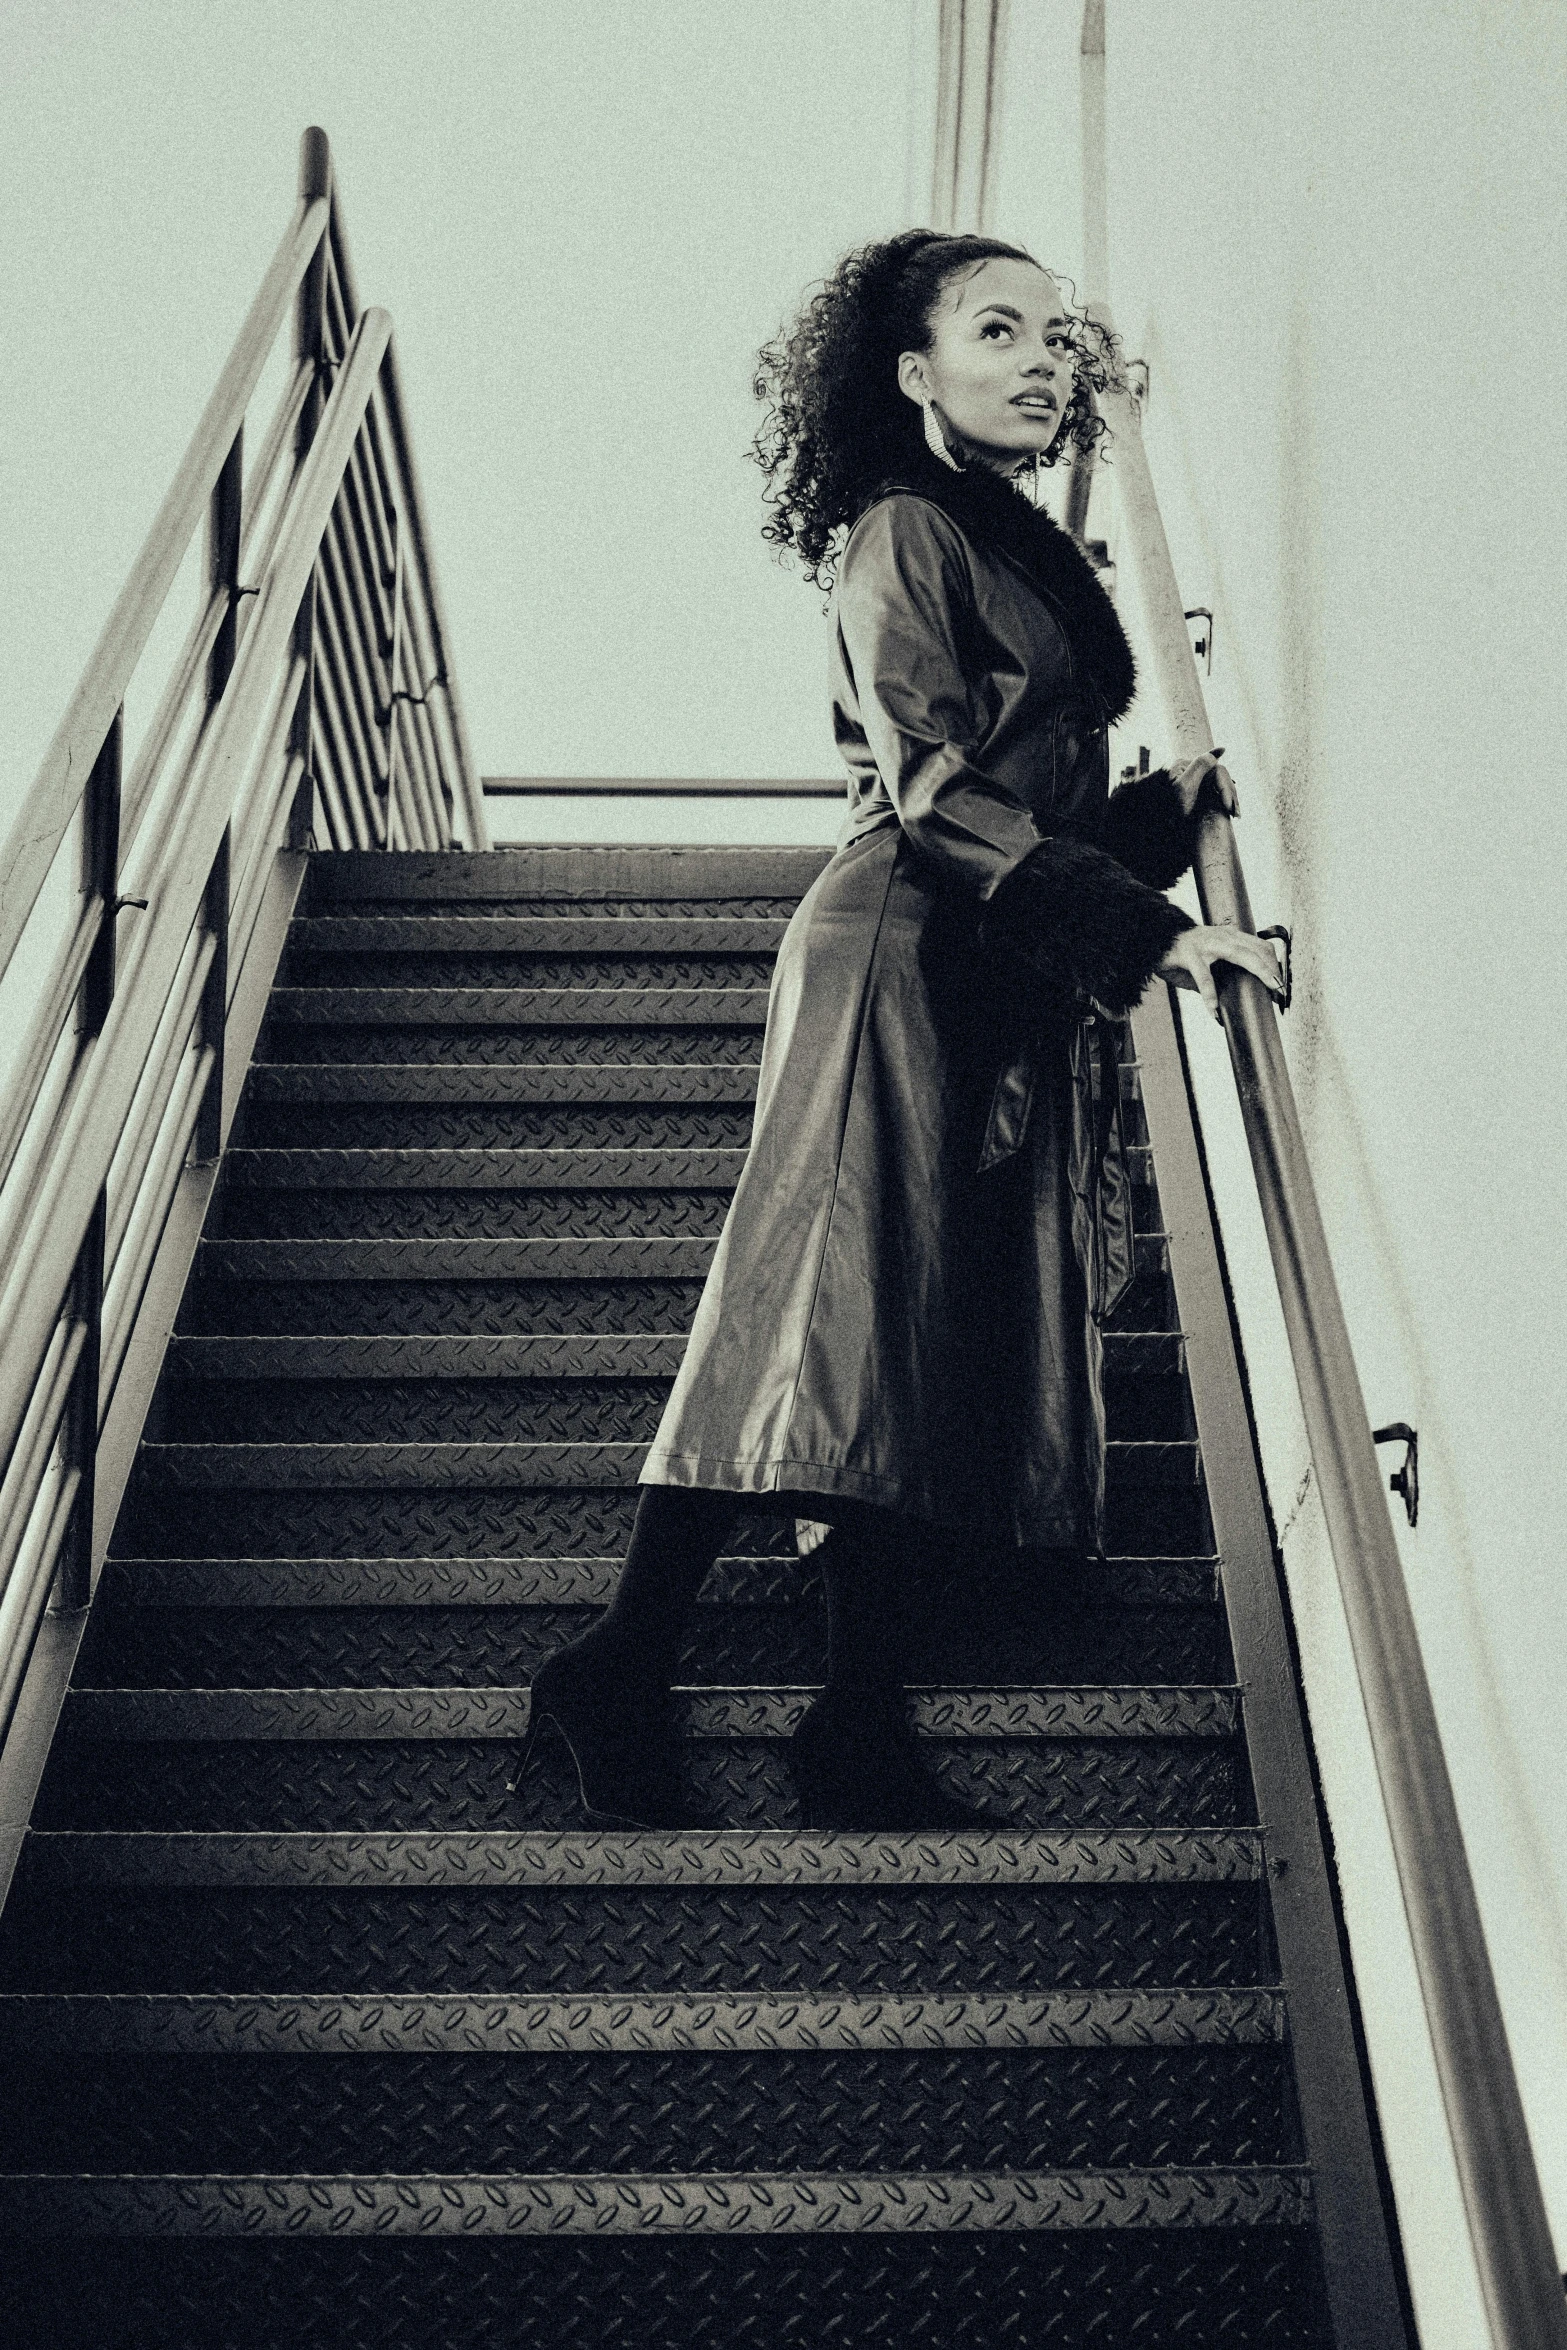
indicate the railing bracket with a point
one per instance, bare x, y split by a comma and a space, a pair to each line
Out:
1281, 931
121, 903
1202, 635
1407, 1479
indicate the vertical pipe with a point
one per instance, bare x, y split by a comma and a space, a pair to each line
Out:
1096, 193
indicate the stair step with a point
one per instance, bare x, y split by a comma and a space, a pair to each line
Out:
496, 1713
550, 1582
271, 1467
581, 1355
510, 2023
657, 1258
486, 1170
518, 1007
585, 873
804, 1939
537, 934
722, 1857
502, 1081
766, 1644
747, 2202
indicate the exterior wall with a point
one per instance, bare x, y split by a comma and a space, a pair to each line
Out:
1337, 236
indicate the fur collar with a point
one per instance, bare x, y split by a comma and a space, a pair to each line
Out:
990, 510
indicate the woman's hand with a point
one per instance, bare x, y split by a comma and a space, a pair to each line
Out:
1190, 962
1189, 776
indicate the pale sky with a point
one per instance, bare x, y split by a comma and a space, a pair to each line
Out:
583, 219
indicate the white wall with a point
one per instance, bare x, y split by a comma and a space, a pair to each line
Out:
1337, 234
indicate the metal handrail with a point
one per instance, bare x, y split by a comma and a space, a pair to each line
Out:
316, 667
1514, 2253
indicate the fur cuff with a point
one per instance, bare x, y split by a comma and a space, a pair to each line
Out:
1147, 831
1079, 923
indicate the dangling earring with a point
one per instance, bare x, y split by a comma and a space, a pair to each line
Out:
933, 437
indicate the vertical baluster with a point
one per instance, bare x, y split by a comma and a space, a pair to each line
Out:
394, 668
84, 1298
224, 519
315, 179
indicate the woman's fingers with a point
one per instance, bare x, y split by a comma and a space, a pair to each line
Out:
1224, 784
1248, 953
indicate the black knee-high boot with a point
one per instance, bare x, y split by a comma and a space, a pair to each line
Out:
855, 1759
607, 1694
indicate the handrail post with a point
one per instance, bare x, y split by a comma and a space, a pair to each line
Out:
1514, 2255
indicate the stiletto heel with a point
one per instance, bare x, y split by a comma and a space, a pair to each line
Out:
525, 1752
620, 1739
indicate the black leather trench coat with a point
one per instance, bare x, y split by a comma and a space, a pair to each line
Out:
932, 1217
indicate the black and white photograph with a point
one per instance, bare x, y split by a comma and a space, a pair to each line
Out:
782, 1150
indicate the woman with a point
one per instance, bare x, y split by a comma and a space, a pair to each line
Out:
897, 1341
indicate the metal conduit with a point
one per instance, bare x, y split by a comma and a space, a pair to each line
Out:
1514, 2252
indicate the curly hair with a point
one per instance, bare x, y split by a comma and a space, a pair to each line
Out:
837, 425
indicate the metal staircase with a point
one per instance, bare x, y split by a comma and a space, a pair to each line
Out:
314, 2031
301, 2000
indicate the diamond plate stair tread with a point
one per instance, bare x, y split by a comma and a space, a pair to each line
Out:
807, 1858
553, 1259
501, 1081
682, 876
443, 1309
519, 1007
543, 1213
510, 1045
241, 2023
485, 1169
637, 2111
1076, 2290
639, 1355
318, 1648
243, 1467
669, 968
918, 2292
743, 2202
814, 1940
455, 1260
548, 1582
388, 1785
635, 1355
537, 934
708, 1713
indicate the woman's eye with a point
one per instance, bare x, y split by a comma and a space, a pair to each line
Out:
999, 324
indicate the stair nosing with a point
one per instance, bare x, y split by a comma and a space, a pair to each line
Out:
801, 1858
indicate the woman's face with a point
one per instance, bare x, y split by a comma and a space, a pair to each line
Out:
1001, 367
